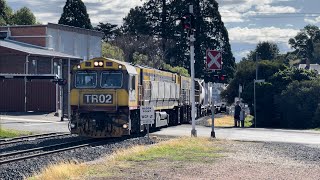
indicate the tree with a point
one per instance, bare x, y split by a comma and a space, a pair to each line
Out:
267, 50
264, 51
304, 43
156, 18
111, 51
136, 23
110, 31
75, 14
5, 13
24, 16
299, 105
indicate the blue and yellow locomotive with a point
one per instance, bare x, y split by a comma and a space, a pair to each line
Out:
106, 96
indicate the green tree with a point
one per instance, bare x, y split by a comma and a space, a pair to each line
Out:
136, 23
24, 16
5, 13
267, 50
111, 51
264, 51
75, 14
157, 19
304, 42
110, 31
300, 104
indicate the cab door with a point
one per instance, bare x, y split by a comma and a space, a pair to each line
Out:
133, 90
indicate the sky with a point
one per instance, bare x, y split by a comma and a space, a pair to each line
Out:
247, 21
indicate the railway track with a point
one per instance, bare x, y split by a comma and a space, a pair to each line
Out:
30, 138
46, 150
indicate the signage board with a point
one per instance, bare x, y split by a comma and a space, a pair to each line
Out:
147, 114
214, 60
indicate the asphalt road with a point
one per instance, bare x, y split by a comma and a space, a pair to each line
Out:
38, 124
247, 134
43, 124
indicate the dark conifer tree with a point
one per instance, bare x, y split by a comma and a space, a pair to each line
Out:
210, 32
75, 14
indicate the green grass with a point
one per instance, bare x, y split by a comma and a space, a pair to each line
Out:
317, 129
6, 133
187, 149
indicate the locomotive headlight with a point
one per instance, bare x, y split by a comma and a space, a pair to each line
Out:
96, 63
79, 66
120, 66
101, 63
125, 126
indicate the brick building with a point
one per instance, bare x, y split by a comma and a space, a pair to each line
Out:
32, 56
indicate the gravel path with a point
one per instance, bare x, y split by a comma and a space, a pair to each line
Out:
241, 161
250, 160
21, 169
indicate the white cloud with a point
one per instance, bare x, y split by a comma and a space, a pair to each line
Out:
242, 53
275, 9
112, 11
242, 10
254, 35
312, 20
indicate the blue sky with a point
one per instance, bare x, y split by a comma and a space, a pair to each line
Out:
247, 21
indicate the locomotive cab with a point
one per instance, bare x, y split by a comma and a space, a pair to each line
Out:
103, 92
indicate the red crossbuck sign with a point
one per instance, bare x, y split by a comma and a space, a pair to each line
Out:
214, 60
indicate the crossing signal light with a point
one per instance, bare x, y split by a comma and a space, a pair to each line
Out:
187, 21
223, 78
220, 78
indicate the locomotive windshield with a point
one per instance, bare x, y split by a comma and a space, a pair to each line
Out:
111, 79
86, 80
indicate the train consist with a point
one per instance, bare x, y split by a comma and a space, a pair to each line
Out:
106, 96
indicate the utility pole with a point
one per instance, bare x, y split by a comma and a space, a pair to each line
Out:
254, 92
192, 40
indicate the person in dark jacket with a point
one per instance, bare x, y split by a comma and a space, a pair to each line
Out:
237, 110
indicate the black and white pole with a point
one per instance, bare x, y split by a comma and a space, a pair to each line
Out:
192, 40
213, 134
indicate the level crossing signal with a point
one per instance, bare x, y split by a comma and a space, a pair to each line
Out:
187, 21
220, 78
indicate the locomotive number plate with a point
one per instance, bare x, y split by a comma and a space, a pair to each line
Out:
98, 99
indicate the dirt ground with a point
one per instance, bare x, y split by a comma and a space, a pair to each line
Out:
239, 160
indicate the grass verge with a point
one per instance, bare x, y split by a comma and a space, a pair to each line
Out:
7, 133
228, 121
125, 162
317, 129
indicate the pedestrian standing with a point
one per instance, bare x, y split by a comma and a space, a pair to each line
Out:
237, 110
242, 117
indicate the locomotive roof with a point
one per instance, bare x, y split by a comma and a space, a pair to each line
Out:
130, 68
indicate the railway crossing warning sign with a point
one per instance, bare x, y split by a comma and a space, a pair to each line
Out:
147, 114
214, 60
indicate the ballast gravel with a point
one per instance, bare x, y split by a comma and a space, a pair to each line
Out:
22, 169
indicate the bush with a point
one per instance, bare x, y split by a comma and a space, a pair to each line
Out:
299, 105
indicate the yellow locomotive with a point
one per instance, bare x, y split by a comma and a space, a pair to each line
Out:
106, 96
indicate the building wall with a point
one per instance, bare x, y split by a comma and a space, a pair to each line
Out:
78, 44
12, 64
35, 35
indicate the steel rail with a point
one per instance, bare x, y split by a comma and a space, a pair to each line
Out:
48, 152
33, 137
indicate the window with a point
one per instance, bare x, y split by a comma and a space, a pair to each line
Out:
111, 79
133, 82
86, 80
